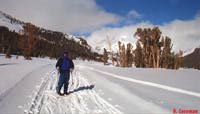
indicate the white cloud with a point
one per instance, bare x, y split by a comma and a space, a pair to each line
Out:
184, 34
124, 34
61, 15
131, 17
134, 14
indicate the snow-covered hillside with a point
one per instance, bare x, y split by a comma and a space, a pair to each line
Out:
189, 51
16, 25
11, 23
29, 87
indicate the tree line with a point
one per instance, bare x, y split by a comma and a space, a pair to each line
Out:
152, 51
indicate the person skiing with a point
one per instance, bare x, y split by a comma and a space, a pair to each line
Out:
64, 65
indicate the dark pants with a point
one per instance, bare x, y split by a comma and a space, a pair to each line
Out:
63, 80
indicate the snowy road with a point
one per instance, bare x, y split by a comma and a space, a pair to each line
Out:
114, 91
102, 90
156, 91
34, 92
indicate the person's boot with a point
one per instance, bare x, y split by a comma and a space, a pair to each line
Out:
58, 91
66, 93
66, 89
61, 94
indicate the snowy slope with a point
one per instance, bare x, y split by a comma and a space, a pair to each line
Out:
68, 36
189, 51
16, 25
6, 20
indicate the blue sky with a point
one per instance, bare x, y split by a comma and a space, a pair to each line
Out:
154, 11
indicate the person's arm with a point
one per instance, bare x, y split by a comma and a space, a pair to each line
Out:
71, 64
58, 63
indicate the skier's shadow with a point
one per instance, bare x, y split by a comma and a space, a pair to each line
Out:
90, 87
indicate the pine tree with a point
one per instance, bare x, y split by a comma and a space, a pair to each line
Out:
178, 60
29, 40
123, 56
138, 56
166, 54
119, 54
129, 56
105, 57
8, 53
2, 42
152, 53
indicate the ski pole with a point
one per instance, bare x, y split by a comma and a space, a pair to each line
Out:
72, 81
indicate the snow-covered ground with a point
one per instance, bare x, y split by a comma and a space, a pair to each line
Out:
19, 78
29, 87
148, 90
13, 70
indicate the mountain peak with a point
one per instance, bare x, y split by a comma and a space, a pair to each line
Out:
192, 60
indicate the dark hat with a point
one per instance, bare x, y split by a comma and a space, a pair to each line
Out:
65, 52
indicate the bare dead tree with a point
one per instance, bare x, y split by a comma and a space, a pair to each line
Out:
110, 47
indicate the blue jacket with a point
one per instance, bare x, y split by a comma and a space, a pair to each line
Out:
64, 64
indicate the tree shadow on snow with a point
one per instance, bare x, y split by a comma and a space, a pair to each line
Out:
90, 87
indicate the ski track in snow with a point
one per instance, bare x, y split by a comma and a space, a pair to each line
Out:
82, 100
164, 87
